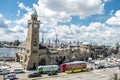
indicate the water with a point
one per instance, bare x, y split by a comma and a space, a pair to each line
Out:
7, 51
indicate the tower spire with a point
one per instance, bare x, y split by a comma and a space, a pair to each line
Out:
34, 13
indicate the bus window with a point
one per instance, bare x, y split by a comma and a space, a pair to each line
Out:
68, 67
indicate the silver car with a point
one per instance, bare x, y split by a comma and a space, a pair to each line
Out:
11, 77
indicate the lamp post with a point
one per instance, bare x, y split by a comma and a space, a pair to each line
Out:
4, 70
4, 76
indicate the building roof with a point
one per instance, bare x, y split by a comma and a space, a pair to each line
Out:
53, 51
34, 13
85, 43
22, 44
100, 44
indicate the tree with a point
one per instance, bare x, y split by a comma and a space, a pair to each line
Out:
16, 42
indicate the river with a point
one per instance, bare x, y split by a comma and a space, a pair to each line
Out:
7, 51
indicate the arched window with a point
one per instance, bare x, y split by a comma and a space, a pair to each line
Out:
56, 59
64, 58
25, 58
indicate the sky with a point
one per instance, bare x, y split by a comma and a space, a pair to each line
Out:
94, 21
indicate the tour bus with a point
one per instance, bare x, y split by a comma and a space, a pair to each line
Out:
76, 66
48, 68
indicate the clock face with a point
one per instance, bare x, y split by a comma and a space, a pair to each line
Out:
35, 25
34, 43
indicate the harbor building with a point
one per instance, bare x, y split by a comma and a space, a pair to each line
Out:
31, 53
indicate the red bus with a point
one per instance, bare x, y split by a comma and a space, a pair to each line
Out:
62, 67
75, 66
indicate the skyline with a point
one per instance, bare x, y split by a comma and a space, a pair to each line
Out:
70, 19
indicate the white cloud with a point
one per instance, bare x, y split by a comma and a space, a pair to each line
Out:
17, 28
111, 12
4, 22
23, 20
9, 31
81, 8
18, 12
62, 11
115, 19
22, 6
95, 31
2, 31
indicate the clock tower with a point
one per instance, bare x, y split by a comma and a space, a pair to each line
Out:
32, 42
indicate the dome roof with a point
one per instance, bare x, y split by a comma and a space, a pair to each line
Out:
53, 51
85, 43
100, 44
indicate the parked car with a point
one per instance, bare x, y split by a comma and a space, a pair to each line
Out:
18, 70
52, 73
4, 71
35, 74
109, 66
11, 77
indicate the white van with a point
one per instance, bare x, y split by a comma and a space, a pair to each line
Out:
4, 71
100, 64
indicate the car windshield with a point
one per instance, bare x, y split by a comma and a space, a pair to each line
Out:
36, 73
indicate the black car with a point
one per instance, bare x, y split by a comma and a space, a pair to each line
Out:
52, 73
36, 74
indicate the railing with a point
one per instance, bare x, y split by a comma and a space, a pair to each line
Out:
7, 58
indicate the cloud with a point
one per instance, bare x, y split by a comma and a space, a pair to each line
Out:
22, 6
23, 20
81, 8
62, 11
111, 12
115, 19
9, 31
94, 32
25, 17
17, 28
2, 31
4, 22
18, 12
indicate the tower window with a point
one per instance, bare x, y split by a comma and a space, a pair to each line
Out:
27, 51
35, 31
35, 51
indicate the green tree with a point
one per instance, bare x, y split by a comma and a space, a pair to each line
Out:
16, 42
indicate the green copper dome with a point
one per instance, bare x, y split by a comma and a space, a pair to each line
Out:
100, 44
34, 13
85, 43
